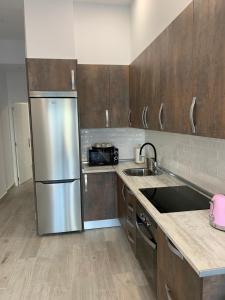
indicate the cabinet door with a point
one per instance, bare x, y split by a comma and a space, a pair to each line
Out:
176, 72
152, 85
99, 197
119, 96
93, 95
121, 203
51, 74
209, 71
175, 277
137, 90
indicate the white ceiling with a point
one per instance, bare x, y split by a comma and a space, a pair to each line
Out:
109, 2
11, 19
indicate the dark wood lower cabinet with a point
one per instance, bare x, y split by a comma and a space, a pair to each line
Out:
127, 212
176, 280
99, 196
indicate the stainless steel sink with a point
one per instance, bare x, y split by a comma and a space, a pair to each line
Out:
142, 172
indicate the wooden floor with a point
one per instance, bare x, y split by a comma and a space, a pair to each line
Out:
94, 265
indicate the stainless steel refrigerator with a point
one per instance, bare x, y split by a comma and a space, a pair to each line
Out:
56, 161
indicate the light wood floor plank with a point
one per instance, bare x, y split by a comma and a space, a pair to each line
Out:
94, 265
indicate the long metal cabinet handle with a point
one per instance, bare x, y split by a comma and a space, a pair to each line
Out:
73, 79
160, 116
147, 240
142, 116
129, 118
146, 111
168, 292
191, 114
85, 183
107, 118
173, 249
123, 194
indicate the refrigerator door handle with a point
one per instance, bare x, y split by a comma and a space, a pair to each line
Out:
58, 181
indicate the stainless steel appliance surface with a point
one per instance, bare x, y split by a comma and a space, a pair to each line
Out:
103, 154
176, 199
146, 246
56, 158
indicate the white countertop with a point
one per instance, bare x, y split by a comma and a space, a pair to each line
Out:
200, 244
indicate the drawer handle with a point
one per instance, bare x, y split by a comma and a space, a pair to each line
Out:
130, 208
123, 194
173, 249
147, 240
168, 292
130, 223
130, 238
129, 191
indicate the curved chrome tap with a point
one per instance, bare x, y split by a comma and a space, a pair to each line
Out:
151, 163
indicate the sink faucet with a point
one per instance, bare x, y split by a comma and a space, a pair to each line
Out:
151, 163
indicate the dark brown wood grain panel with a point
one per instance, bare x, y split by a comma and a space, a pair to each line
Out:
121, 203
182, 281
176, 72
99, 200
137, 90
50, 74
152, 84
119, 96
93, 95
209, 71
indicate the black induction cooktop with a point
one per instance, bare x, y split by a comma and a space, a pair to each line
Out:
175, 199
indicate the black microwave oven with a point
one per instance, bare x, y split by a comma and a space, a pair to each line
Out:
103, 156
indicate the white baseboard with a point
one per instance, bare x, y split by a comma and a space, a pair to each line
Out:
101, 224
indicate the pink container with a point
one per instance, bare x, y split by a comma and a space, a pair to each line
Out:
217, 212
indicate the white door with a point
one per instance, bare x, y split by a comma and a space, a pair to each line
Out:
22, 141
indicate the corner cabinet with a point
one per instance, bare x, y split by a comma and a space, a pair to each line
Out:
176, 280
103, 93
99, 196
51, 74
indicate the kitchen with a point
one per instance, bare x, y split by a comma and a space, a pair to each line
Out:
126, 107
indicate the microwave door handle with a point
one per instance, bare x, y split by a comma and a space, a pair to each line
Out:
147, 240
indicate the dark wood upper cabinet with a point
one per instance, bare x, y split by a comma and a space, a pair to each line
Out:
99, 197
51, 74
93, 95
152, 83
138, 90
176, 72
209, 71
103, 96
119, 96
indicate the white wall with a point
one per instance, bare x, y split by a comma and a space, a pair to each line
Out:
6, 158
102, 33
49, 29
17, 85
149, 18
12, 52
200, 160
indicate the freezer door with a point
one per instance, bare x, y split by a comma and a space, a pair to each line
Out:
55, 135
58, 207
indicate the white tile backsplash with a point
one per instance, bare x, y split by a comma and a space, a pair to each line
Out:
198, 159
123, 138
